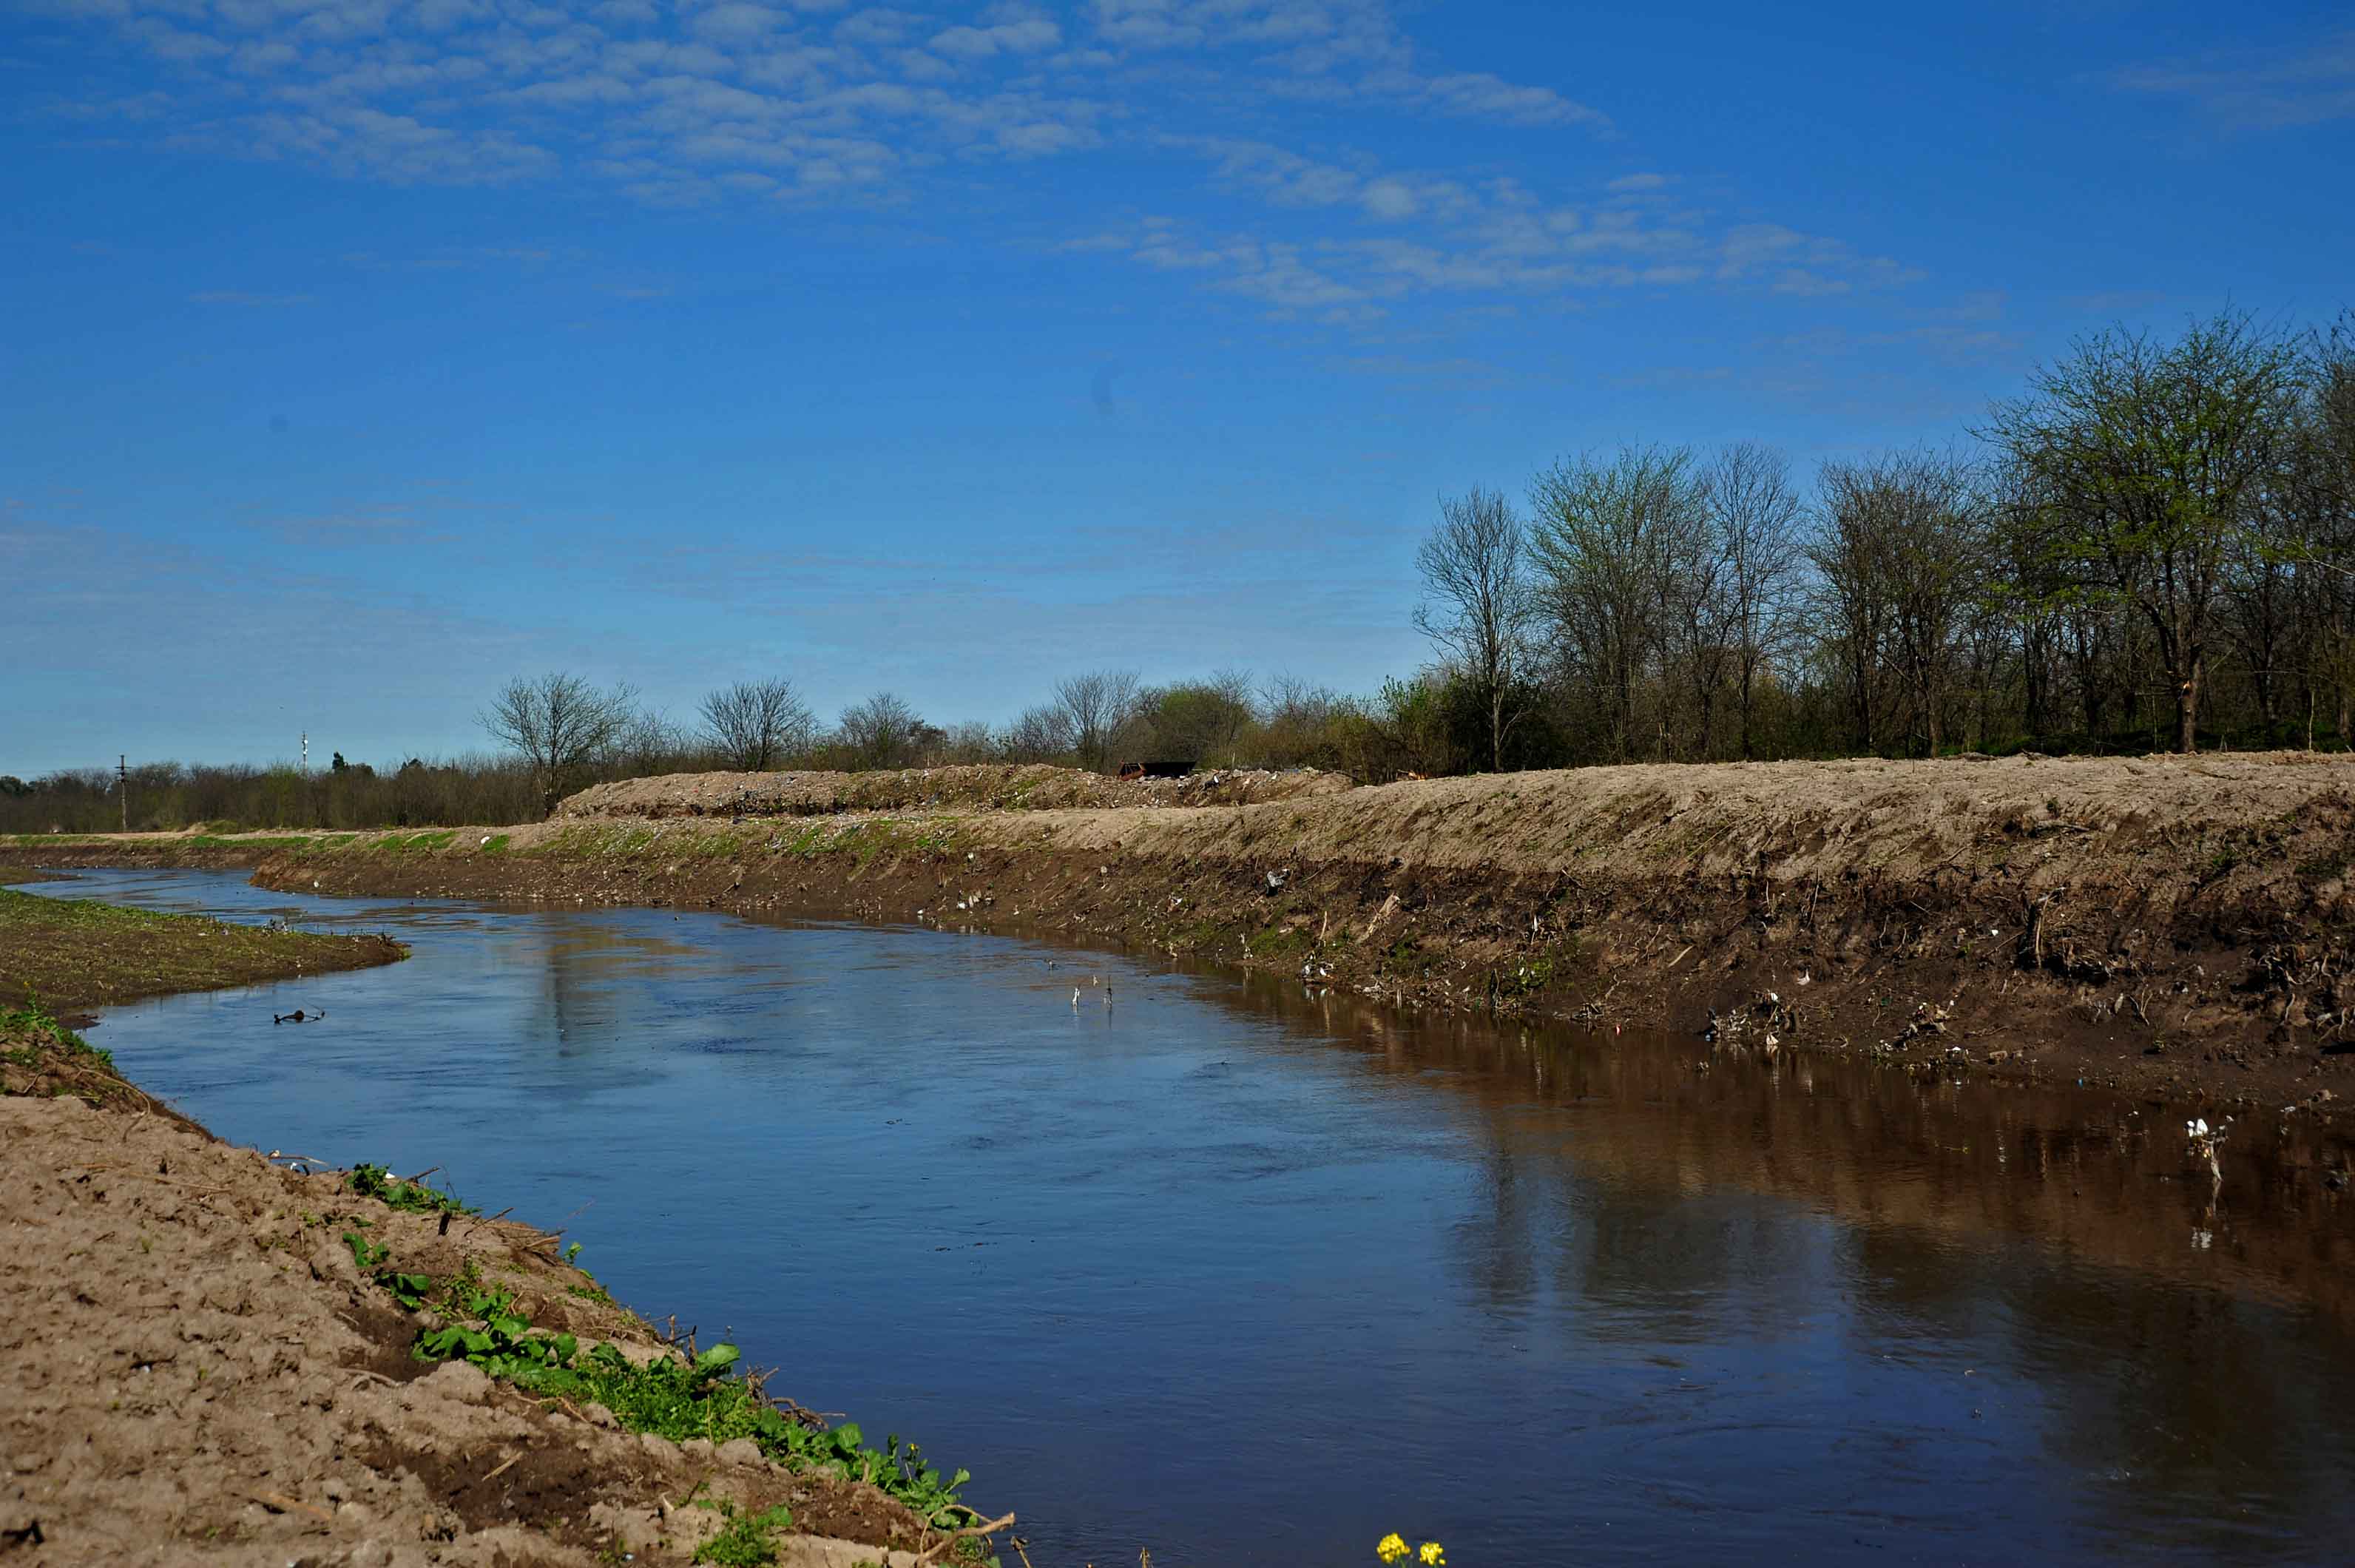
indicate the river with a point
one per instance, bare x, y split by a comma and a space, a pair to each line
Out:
1246, 1275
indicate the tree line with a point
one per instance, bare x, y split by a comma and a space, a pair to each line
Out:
2150, 547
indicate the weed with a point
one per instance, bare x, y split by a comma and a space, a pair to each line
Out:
409, 1196
749, 1541
671, 1398
61, 1062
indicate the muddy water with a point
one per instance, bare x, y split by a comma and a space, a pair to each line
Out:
1250, 1278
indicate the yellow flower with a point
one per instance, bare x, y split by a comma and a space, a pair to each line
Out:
1390, 1548
1431, 1554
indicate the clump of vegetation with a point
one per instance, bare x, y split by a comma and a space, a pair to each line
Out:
697, 1396
379, 1182
40, 1056
749, 1541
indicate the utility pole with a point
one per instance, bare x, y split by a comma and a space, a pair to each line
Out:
122, 786
306, 753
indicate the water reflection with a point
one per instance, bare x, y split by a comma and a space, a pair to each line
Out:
1250, 1275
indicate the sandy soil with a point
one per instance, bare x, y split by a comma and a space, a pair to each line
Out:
192, 1369
2180, 927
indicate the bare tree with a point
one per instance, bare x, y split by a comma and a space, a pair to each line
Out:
556, 723
1093, 706
646, 743
755, 724
1605, 540
2152, 456
1040, 734
1907, 530
1755, 512
883, 732
1476, 605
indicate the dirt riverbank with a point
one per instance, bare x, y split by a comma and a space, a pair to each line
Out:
205, 1357
74, 955
2177, 927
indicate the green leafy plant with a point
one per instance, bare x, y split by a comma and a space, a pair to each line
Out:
749, 1539
701, 1396
379, 1182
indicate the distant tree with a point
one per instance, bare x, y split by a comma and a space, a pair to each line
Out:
558, 723
1195, 721
1040, 734
1906, 532
2150, 458
338, 765
1756, 514
1093, 706
755, 723
882, 732
1606, 539
1477, 606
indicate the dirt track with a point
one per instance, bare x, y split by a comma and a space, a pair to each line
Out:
2176, 926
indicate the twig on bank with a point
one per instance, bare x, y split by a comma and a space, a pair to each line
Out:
278, 1504
987, 1527
503, 1468
1681, 957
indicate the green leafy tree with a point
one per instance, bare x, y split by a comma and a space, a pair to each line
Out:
2151, 460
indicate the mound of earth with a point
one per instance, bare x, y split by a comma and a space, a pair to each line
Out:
976, 788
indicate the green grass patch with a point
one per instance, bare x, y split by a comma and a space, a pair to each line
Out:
41, 1057
75, 953
747, 1541
416, 843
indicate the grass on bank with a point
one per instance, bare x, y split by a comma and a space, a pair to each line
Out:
477, 1320
41, 1057
72, 953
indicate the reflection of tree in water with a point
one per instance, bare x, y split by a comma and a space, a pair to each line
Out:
1974, 1162
1614, 1183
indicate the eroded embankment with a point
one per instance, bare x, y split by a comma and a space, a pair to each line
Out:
206, 1356
2179, 926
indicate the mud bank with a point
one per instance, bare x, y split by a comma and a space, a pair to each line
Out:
74, 955
2175, 927
200, 1361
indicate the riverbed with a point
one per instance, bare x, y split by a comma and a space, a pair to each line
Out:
1213, 1264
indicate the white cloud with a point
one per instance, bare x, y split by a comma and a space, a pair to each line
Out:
813, 101
2306, 84
1027, 37
734, 22
1478, 95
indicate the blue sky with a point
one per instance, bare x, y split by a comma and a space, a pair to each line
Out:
359, 354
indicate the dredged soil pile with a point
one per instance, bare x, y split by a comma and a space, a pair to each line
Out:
975, 787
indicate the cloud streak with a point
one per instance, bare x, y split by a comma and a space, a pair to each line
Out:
721, 103
2303, 85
